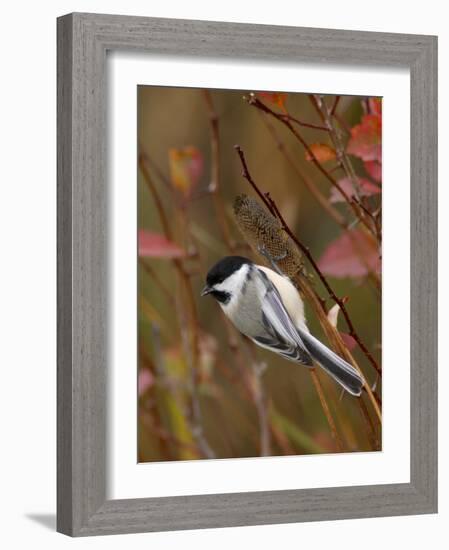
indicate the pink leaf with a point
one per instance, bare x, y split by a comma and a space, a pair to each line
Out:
374, 169
366, 189
186, 168
350, 255
366, 138
349, 341
154, 245
145, 381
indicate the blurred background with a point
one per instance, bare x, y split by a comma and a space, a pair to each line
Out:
204, 391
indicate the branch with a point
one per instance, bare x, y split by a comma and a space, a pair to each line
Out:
320, 106
343, 124
325, 407
312, 188
273, 209
323, 201
255, 102
249, 179
301, 123
335, 105
215, 171
157, 201
258, 394
194, 325
162, 287
195, 420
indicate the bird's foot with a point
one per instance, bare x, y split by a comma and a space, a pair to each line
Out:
272, 259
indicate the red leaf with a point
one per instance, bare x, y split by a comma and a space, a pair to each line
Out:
375, 105
366, 189
349, 341
154, 245
321, 152
366, 138
374, 169
350, 255
276, 98
186, 168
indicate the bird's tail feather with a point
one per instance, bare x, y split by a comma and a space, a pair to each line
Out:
344, 373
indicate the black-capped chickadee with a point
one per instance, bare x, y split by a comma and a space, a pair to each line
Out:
266, 307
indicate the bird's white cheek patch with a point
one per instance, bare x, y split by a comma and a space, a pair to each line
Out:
230, 307
234, 283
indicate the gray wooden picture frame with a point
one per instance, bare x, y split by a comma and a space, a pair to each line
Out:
83, 41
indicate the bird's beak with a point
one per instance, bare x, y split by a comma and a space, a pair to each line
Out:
206, 290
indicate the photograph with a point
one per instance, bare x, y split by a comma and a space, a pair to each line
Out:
218, 277
259, 254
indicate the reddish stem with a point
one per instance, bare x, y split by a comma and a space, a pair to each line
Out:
272, 207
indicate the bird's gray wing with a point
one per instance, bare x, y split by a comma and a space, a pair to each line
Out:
281, 334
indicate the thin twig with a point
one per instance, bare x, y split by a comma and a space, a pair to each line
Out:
196, 421
323, 279
315, 379
215, 186
194, 325
374, 220
342, 122
336, 341
150, 404
255, 102
325, 407
335, 105
165, 436
373, 437
252, 383
162, 287
157, 201
303, 124
177, 199
272, 207
260, 398
321, 199
145, 158
320, 106
369, 227
312, 188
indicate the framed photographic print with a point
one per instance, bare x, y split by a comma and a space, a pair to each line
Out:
246, 274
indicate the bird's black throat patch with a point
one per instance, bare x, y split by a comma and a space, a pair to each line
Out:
220, 296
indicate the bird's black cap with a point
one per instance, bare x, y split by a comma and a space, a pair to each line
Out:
225, 267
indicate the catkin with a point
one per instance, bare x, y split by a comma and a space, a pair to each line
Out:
264, 233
